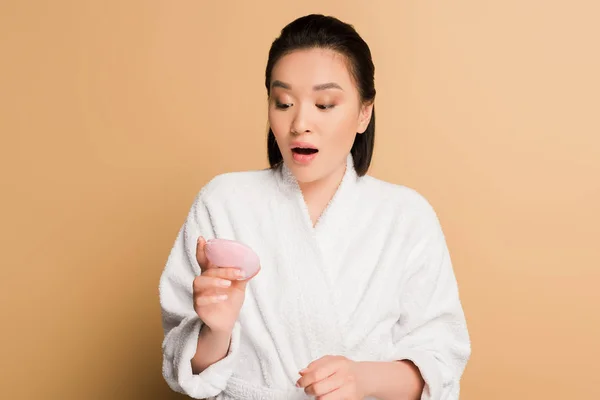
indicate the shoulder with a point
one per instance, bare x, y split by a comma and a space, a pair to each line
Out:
404, 201
230, 184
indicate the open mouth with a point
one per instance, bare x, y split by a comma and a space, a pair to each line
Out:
304, 150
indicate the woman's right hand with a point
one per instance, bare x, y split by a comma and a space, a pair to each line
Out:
218, 293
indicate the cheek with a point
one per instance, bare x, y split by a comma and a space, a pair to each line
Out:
278, 123
344, 126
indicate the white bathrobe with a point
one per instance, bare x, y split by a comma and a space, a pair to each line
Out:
372, 281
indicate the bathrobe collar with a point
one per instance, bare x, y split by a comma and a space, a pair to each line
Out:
322, 325
289, 185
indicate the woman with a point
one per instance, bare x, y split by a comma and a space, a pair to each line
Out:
356, 297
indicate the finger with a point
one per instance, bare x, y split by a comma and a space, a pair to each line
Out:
203, 282
326, 385
341, 393
224, 273
318, 363
201, 255
202, 301
318, 372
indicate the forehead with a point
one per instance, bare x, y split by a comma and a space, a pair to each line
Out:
303, 69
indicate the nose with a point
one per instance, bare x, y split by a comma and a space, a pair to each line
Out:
301, 121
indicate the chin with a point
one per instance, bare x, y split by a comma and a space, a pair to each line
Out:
304, 174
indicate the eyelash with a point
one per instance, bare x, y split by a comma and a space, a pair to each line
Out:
322, 107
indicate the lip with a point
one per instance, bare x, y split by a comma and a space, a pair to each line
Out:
303, 145
303, 159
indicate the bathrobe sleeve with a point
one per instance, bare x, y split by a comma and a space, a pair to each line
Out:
180, 322
431, 330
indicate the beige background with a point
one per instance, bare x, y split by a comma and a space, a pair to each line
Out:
114, 114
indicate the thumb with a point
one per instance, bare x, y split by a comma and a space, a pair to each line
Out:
201, 255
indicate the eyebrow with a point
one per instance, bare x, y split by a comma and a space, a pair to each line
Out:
323, 86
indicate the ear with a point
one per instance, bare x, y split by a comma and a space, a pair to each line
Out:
364, 117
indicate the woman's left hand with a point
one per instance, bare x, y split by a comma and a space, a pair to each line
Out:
333, 378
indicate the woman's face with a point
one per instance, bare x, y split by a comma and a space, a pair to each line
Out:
315, 112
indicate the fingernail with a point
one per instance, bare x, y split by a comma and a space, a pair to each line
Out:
221, 297
224, 282
240, 274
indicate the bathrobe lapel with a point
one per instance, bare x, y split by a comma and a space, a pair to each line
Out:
296, 296
317, 274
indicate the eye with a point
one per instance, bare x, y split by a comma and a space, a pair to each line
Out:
325, 106
282, 106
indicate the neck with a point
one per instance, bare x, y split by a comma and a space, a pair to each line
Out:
319, 193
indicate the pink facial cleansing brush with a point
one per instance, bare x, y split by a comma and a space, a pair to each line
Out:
233, 254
